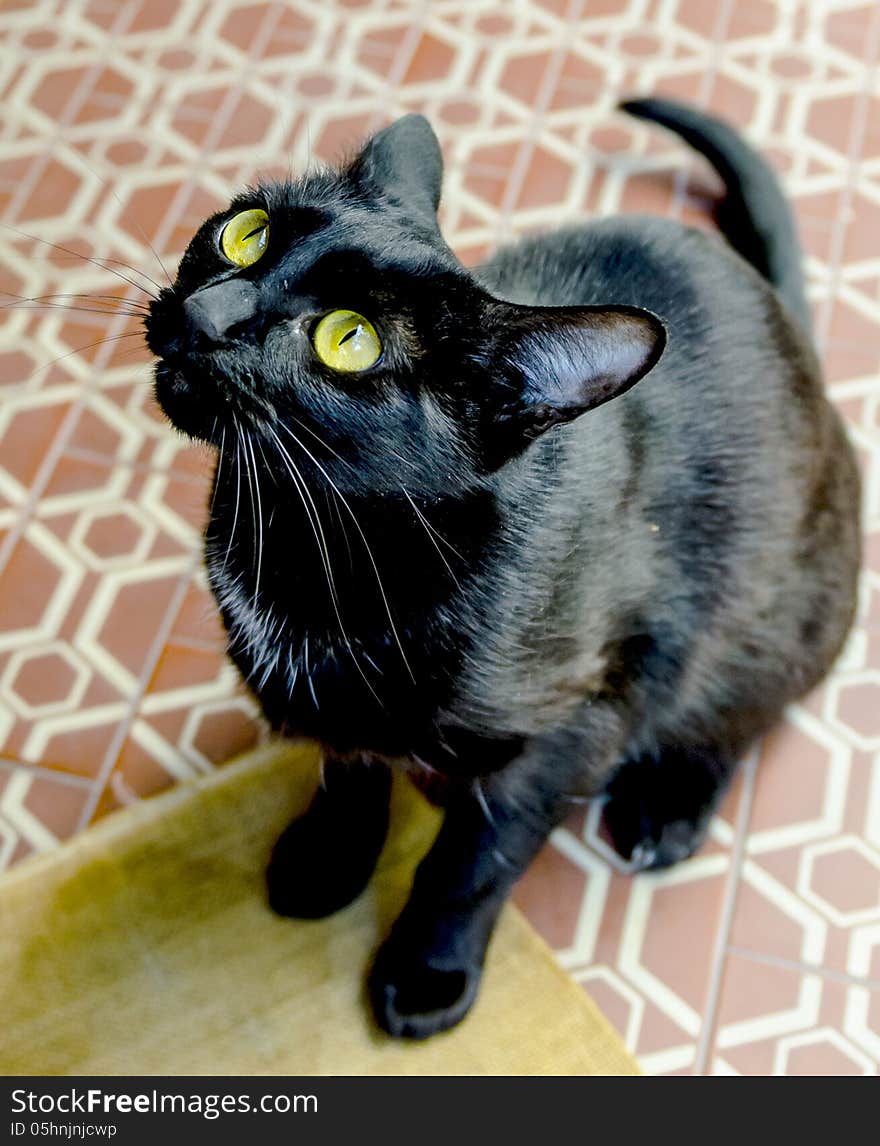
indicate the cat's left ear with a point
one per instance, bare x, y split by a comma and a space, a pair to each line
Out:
404, 161
560, 362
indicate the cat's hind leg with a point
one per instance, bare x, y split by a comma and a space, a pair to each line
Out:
324, 859
658, 806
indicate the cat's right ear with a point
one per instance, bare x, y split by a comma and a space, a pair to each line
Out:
556, 363
404, 161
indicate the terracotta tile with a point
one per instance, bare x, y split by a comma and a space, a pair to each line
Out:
211, 723
153, 16
100, 13
96, 435
37, 812
557, 7
754, 18
653, 192
378, 48
488, 169
182, 667
631, 930
579, 80
686, 86
29, 582
698, 16
546, 180
431, 61
778, 1020
198, 621
176, 60
50, 192
16, 368
28, 435
138, 774
80, 747
136, 613
340, 135
732, 99
811, 882
46, 679
850, 29
862, 238
829, 120
523, 75
55, 92
494, 24
554, 914
147, 207
246, 27
226, 731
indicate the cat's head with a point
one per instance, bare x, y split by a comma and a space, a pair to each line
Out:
328, 318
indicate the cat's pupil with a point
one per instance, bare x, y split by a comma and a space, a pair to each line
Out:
354, 330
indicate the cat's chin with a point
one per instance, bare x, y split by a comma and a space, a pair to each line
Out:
183, 405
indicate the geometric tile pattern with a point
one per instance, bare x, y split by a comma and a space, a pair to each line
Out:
122, 124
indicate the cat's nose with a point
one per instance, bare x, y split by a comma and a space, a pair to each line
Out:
214, 310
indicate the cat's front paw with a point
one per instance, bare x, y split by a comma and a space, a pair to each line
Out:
412, 999
645, 840
311, 876
324, 859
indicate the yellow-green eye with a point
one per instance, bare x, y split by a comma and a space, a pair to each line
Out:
345, 341
245, 236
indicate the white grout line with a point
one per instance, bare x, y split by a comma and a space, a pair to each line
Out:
804, 968
710, 1013
78, 97
707, 86
56, 775
177, 206
71, 418
546, 91
402, 60
155, 651
854, 160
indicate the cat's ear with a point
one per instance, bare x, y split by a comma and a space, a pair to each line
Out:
560, 362
404, 161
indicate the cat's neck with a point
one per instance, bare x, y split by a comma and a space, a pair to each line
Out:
307, 556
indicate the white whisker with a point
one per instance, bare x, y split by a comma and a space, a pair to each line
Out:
309, 680
430, 531
237, 494
259, 520
217, 470
324, 551
482, 801
366, 546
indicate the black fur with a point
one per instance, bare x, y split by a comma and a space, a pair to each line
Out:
441, 561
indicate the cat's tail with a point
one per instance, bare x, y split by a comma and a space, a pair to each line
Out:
754, 217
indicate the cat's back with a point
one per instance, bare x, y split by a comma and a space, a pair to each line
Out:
617, 260
737, 375
721, 486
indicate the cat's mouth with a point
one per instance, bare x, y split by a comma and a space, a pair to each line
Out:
201, 402
178, 396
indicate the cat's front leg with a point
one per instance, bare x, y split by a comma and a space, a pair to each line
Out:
325, 858
426, 975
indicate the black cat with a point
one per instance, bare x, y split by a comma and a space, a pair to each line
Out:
423, 552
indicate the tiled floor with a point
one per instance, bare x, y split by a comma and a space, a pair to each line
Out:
126, 121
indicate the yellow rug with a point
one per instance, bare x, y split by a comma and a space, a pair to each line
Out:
144, 946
